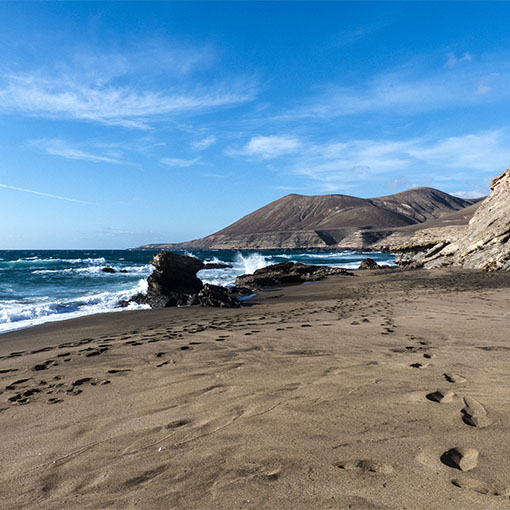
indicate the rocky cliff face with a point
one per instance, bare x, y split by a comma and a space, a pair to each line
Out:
482, 244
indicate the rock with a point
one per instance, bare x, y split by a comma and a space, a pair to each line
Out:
216, 296
286, 273
123, 271
464, 459
174, 280
217, 266
369, 263
483, 244
108, 270
240, 291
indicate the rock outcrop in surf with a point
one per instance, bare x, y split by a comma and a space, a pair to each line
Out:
287, 273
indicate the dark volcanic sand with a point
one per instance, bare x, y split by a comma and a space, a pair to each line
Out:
349, 393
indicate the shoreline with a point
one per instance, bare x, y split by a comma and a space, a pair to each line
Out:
312, 396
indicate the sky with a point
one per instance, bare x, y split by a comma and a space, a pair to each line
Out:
130, 123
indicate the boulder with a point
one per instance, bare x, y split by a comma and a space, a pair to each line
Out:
286, 273
174, 280
216, 296
240, 291
108, 270
483, 244
214, 265
369, 263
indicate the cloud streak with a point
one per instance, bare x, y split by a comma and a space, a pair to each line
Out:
409, 91
179, 163
267, 147
48, 195
57, 147
109, 104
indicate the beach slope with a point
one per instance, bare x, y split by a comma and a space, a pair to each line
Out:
382, 391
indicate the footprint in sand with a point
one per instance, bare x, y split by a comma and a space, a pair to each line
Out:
474, 413
419, 365
441, 396
461, 458
366, 466
454, 378
44, 366
481, 487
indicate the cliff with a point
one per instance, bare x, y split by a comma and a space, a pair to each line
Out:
482, 244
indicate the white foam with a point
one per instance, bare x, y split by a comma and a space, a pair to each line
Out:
18, 315
251, 263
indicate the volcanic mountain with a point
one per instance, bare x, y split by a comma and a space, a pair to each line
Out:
340, 221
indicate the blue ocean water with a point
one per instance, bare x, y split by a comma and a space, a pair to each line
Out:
39, 286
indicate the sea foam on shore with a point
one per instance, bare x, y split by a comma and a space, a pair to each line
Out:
38, 286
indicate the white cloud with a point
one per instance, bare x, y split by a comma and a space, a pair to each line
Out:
452, 59
408, 91
268, 147
469, 194
61, 148
106, 103
338, 164
204, 143
178, 162
486, 151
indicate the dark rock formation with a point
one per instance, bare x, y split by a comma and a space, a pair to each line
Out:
174, 280
108, 270
216, 296
369, 263
286, 273
214, 265
483, 244
239, 291
123, 271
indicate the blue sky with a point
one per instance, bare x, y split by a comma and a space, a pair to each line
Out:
129, 123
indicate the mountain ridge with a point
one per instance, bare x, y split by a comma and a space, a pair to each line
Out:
317, 221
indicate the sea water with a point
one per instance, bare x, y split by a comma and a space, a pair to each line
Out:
38, 286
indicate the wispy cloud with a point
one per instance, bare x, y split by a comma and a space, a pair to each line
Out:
61, 148
48, 195
204, 143
178, 162
339, 164
470, 194
131, 89
452, 59
267, 147
108, 103
407, 91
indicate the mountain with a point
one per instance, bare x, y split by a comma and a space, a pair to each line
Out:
341, 221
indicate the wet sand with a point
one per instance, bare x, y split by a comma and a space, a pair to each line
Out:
353, 392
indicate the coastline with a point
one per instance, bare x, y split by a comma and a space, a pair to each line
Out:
271, 405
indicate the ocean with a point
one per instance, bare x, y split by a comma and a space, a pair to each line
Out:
38, 286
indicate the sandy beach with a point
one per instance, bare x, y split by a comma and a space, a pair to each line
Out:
346, 393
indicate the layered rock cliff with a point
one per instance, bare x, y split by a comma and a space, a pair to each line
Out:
482, 244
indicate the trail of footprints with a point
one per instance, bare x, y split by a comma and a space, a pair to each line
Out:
473, 414
27, 389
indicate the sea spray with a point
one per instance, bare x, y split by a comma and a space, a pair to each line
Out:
38, 286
